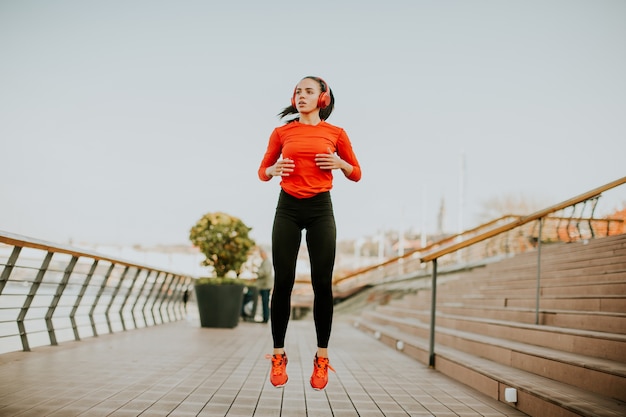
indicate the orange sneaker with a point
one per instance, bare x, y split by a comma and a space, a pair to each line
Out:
319, 379
278, 373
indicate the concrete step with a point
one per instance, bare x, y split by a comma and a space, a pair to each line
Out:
537, 395
595, 248
569, 256
593, 321
583, 342
602, 376
581, 303
614, 303
555, 287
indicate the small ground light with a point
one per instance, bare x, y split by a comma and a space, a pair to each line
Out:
399, 345
377, 335
510, 395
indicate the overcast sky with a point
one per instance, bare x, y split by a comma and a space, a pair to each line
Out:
126, 121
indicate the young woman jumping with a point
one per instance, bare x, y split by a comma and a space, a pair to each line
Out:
303, 153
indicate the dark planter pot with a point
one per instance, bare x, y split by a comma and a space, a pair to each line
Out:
219, 305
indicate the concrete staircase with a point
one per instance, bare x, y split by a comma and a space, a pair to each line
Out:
573, 363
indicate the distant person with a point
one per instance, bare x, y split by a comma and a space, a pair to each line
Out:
250, 297
265, 282
303, 153
185, 299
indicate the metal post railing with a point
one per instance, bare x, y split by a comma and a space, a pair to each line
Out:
138, 298
79, 298
164, 298
52, 293
157, 297
6, 273
433, 312
103, 286
149, 298
538, 293
127, 297
541, 215
116, 291
29, 300
55, 300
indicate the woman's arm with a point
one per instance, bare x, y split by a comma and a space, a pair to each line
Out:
267, 167
346, 154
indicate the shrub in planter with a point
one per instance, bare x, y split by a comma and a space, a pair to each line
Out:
224, 241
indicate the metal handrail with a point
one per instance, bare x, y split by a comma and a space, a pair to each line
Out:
417, 252
540, 216
51, 293
485, 231
524, 220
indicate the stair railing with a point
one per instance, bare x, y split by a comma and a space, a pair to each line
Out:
540, 217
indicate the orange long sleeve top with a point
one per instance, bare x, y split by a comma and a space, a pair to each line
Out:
301, 142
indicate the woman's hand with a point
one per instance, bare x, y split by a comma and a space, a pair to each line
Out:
331, 160
282, 168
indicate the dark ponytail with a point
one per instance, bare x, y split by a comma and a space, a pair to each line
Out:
286, 112
324, 113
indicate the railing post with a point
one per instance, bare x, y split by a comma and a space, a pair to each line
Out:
433, 309
165, 297
127, 296
188, 283
134, 307
148, 299
8, 268
538, 293
589, 222
57, 297
112, 300
179, 307
103, 285
157, 296
79, 298
29, 299
174, 299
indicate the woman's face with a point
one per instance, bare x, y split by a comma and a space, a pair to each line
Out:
306, 95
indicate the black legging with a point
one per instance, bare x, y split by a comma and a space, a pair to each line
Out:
314, 214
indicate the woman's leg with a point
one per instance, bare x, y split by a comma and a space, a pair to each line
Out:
286, 238
321, 241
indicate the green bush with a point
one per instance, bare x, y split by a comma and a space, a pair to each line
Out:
224, 241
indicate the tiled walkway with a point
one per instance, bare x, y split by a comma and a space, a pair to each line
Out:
181, 369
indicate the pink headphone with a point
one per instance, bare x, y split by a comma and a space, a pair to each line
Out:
323, 100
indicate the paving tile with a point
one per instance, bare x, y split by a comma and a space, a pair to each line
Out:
345, 413
183, 370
